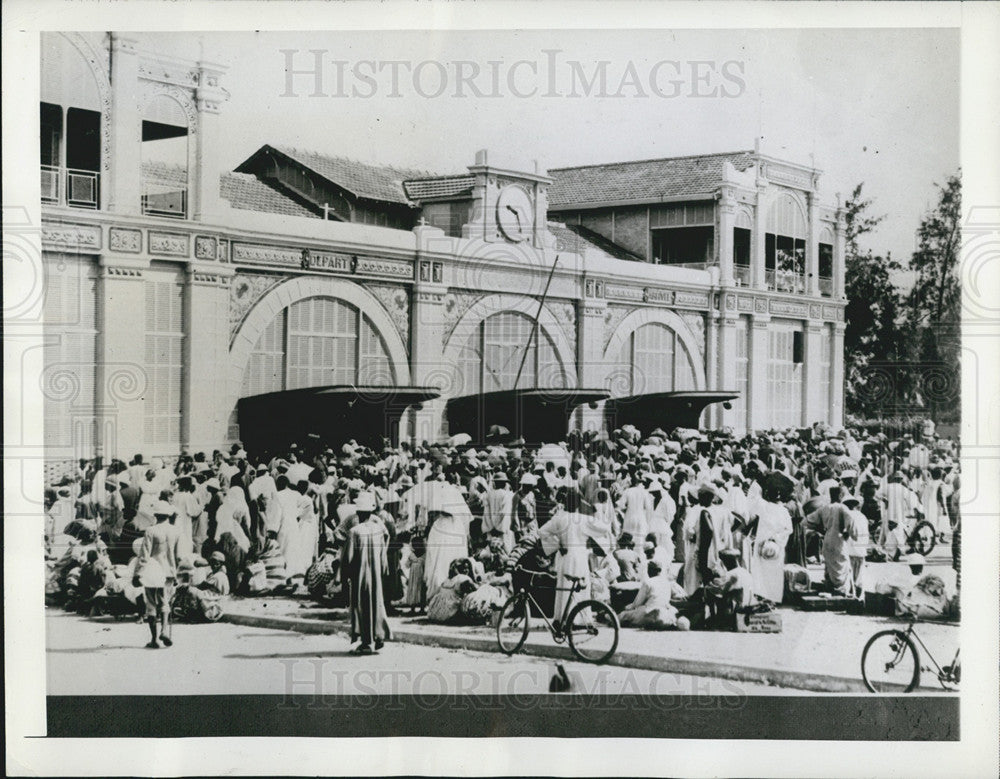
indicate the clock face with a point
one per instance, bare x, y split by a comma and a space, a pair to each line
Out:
515, 213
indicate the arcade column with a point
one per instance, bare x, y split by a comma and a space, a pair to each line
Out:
726, 361
758, 407
812, 396
206, 356
837, 377
121, 376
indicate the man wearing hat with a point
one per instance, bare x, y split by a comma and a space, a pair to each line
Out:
156, 572
707, 529
365, 562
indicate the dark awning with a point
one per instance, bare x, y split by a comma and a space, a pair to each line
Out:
536, 415
326, 415
666, 410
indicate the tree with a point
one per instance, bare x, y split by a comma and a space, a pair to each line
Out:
933, 305
873, 339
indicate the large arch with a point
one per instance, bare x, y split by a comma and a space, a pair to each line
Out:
495, 304
644, 316
285, 294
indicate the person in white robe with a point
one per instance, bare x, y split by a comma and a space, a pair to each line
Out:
767, 553
566, 535
448, 516
636, 505
707, 530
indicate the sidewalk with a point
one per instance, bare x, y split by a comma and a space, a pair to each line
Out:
817, 651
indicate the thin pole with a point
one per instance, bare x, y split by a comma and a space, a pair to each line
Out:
534, 325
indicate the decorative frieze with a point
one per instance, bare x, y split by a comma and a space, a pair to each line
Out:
379, 267
623, 292
814, 310
260, 254
173, 244
788, 308
209, 279
122, 271
744, 303
123, 240
684, 298
593, 288
760, 305
206, 247
71, 236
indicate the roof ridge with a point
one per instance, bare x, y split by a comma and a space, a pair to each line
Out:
379, 165
656, 159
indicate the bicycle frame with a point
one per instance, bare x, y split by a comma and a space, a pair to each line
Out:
556, 632
940, 671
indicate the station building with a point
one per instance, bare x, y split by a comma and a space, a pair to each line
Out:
187, 306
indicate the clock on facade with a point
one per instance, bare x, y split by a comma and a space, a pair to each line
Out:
515, 213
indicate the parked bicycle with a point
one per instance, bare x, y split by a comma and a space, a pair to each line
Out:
590, 627
891, 662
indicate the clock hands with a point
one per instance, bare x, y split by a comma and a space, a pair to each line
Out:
517, 215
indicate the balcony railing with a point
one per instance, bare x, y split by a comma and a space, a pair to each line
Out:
71, 187
742, 275
161, 197
784, 281
826, 286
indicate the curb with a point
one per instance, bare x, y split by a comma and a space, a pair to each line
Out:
741, 673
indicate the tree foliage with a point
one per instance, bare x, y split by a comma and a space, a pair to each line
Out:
933, 305
873, 338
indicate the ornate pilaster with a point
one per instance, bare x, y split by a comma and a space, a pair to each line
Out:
209, 97
812, 391
126, 127
812, 245
427, 321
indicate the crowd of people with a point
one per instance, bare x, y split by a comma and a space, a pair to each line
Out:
671, 530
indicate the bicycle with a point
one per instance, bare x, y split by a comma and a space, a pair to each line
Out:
591, 627
893, 653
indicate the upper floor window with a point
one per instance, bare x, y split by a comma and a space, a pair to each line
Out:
826, 262
785, 246
70, 126
165, 158
683, 234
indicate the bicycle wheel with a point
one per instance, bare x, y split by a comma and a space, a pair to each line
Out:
923, 538
512, 624
592, 628
890, 663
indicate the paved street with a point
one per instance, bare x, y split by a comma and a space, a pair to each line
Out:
103, 657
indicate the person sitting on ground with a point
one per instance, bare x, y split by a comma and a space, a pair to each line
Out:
651, 609
445, 606
730, 590
604, 571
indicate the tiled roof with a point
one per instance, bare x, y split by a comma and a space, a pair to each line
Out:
165, 172
442, 186
249, 193
643, 179
576, 238
374, 182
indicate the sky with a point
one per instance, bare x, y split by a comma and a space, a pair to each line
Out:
874, 106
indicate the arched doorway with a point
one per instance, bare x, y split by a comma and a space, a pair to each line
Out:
317, 360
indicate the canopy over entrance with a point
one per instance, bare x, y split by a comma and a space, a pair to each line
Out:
536, 415
666, 410
328, 416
